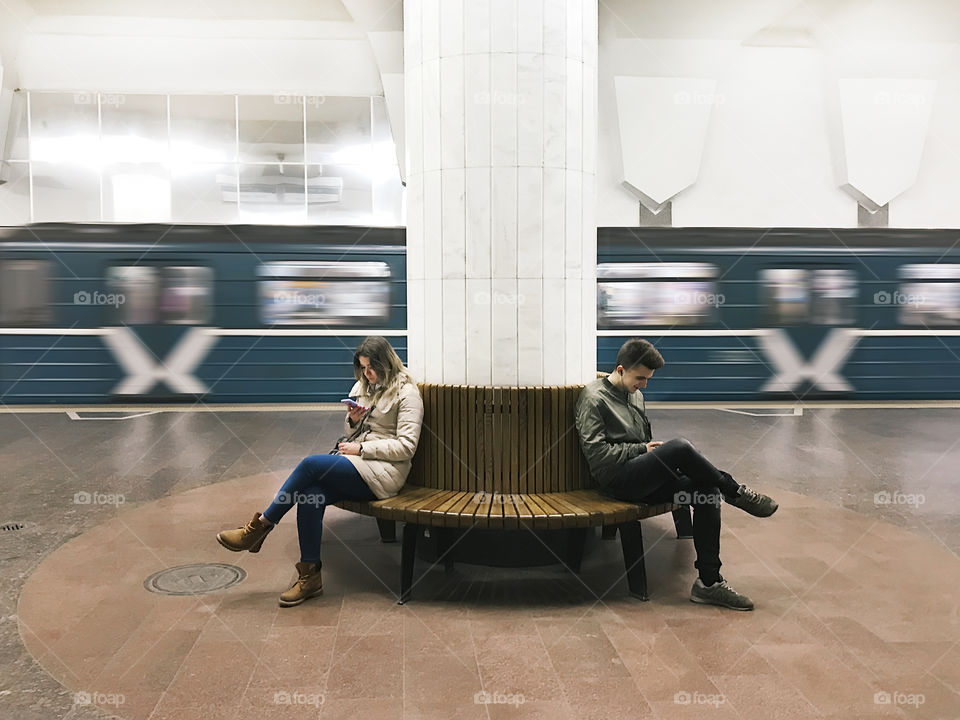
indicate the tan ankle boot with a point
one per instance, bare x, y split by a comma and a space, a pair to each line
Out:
249, 537
308, 585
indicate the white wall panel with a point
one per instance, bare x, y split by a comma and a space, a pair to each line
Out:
554, 222
576, 305
573, 133
573, 233
454, 332
503, 299
555, 27
432, 225
503, 26
479, 222
433, 338
478, 336
430, 29
416, 329
503, 241
413, 81
529, 222
452, 117
554, 111
451, 27
430, 100
554, 334
530, 110
530, 351
454, 222
530, 26
477, 113
476, 23
503, 110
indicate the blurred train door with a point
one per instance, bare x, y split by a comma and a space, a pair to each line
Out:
158, 312
806, 306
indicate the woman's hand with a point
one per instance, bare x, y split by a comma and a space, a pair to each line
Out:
653, 444
356, 414
349, 448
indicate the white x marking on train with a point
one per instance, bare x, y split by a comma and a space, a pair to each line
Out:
176, 370
823, 369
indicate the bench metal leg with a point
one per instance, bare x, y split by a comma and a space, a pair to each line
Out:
632, 541
445, 537
683, 523
408, 553
576, 539
388, 530
608, 532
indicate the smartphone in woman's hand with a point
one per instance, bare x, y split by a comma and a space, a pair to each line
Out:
352, 404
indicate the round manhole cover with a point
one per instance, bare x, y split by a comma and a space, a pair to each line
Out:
194, 579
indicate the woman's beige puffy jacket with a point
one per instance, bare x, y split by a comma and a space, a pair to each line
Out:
389, 438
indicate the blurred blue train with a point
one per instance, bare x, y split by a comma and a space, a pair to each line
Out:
101, 313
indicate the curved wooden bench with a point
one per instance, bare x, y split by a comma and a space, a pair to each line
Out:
506, 458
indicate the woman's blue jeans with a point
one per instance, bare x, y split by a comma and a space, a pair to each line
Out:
318, 481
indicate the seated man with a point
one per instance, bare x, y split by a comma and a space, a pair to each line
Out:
616, 440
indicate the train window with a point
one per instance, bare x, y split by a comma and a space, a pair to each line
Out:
325, 293
25, 293
138, 285
175, 294
801, 296
929, 295
639, 294
185, 295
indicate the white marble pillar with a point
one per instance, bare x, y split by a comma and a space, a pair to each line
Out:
501, 117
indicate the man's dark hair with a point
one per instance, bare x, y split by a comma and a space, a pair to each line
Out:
639, 352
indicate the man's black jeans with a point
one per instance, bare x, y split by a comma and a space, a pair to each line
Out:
676, 472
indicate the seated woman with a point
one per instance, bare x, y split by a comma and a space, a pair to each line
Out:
372, 462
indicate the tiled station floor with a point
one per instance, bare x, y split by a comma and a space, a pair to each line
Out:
856, 581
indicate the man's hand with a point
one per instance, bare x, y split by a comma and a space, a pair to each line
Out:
653, 444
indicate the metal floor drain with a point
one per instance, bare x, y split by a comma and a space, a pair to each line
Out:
196, 579
9, 527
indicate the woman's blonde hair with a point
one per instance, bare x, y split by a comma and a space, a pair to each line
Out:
391, 373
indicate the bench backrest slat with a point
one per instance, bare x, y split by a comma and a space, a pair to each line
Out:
500, 440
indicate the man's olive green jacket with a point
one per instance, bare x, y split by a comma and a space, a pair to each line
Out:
613, 428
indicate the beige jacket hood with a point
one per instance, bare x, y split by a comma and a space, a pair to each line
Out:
389, 438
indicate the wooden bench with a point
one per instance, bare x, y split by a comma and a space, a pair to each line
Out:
507, 458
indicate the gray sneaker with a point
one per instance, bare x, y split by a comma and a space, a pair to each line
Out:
753, 502
720, 593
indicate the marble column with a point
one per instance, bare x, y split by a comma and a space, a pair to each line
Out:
501, 117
